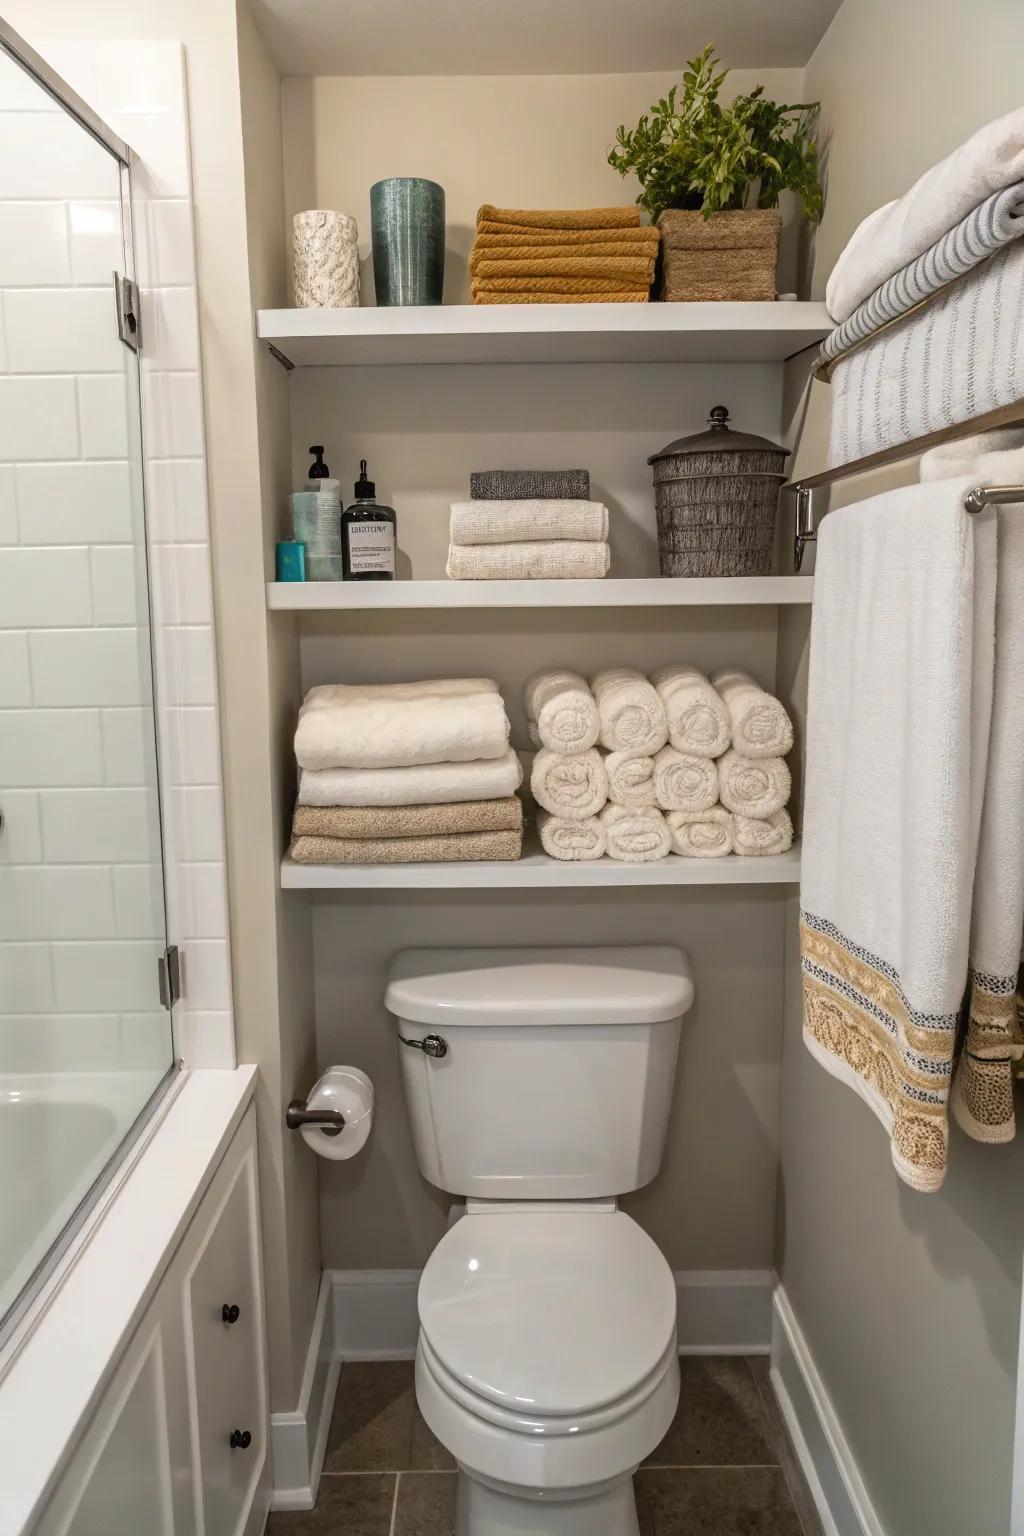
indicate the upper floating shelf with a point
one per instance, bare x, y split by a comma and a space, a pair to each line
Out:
544, 333
649, 592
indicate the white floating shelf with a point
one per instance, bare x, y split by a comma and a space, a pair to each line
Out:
652, 592
544, 333
536, 871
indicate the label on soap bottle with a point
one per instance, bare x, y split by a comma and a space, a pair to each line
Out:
371, 546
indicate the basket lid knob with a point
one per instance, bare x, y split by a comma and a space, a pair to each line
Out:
718, 435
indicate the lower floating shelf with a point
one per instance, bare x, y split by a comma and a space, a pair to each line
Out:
537, 871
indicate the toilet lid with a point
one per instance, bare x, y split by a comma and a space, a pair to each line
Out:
561, 1312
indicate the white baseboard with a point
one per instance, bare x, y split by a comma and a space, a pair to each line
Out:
298, 1440
837, 1488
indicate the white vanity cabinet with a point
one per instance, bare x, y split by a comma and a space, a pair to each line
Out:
177, 1445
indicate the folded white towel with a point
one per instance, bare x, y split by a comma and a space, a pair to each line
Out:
428, 784
517, 522
636, 835
553, 560
631, 712
683, 782
900, 231
760, 725
571, 840
753, 787
630, 779
698, 721
701, 834
573, 785
561, 709
397, 725
761, 836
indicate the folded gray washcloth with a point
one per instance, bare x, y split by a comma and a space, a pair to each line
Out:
530, 485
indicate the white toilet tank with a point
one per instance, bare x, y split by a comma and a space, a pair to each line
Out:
552, 1071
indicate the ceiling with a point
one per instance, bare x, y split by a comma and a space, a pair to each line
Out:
534, 37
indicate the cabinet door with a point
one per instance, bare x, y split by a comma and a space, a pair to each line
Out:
225, 1350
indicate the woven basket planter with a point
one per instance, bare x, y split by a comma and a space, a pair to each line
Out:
727, 256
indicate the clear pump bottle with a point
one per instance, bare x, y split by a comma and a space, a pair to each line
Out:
368, 534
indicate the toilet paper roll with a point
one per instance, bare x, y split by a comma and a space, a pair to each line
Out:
350, 1091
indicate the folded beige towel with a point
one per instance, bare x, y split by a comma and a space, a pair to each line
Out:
626, 241
637, 835
698, 721
760, 725
630, 779
548, 560
499, 251
571, 841
760, 837
560, 710
750, 787
563, 282
559, 218
628, 296
362, 821
573, 785
426, 784
454, 848
632, 271
632, 714
701, 834
684, 782
393, 725
520, 522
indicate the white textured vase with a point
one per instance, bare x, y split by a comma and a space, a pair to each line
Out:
325, 260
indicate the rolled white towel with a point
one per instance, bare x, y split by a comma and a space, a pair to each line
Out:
750, 787
698, 721
637, 834
630, 779
683, 782
550, 560
760, 725
632, 714
517, 522
399, 725
702, 834
762, 836
561, 709
573, 841
573, 785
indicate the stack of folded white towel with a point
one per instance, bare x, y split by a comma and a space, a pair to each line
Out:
540, 527
690, 765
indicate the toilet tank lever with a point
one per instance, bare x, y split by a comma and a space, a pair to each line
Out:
430, 1045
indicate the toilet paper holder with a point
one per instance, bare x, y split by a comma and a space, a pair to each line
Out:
330, 1121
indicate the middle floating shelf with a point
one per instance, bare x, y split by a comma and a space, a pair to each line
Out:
640, 592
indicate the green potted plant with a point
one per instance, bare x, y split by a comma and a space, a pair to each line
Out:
710, 177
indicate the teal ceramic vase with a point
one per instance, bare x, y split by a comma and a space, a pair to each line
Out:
407, 224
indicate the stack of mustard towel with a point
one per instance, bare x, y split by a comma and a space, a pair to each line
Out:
562, 256
528, 524
406, 773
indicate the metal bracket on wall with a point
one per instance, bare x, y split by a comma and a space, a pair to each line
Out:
129, 312
286, 362
169, 973
806, 533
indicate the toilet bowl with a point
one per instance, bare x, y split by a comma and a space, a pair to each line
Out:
538, 1084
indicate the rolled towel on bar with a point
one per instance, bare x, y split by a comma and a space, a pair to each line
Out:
394, 725
529, 484
760, 725
561, 709
637, 835
455, 848
550, 560
572, 841
573, 785
684, 782
361, 821
702, 834
519, 521
630, 779
762, 836
753, 787
427, 784
632, 714
698, 720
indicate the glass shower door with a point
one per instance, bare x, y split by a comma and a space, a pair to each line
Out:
85, 1038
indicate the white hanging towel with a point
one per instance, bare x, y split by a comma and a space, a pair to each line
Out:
899, 707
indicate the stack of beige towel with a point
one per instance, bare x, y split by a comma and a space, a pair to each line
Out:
562, 256
406, 773
519, 540
690, 765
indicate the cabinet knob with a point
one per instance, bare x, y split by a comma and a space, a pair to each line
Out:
240, 1440
230, 1313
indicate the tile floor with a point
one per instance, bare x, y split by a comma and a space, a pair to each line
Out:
725, 1468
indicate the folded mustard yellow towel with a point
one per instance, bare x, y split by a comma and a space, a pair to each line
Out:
363, 821
637, 270
452, 848
560, 218
631, 240
549, 284
485, 295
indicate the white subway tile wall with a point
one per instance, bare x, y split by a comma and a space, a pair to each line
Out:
79, 906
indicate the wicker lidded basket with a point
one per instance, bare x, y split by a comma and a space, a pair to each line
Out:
716, 495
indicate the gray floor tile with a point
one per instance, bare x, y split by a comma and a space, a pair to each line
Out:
715, 1501
797, 1483
358, 1506
721, 1420
428, 1454
426, 1504
371, 1430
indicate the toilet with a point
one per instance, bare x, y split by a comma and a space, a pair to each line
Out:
538, 1084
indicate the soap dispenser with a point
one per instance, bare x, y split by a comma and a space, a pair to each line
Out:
368, 532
